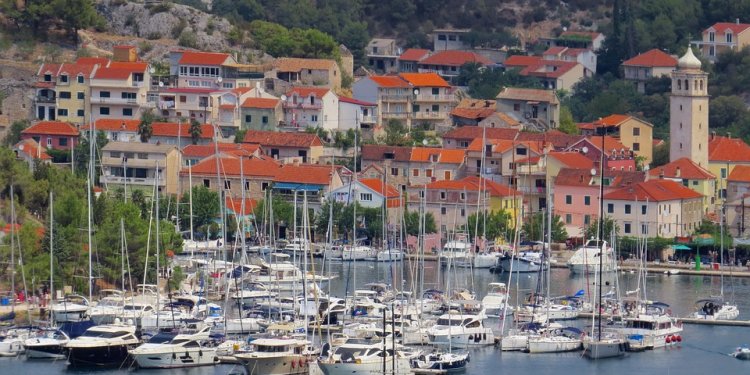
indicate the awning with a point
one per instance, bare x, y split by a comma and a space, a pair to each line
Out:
295, 186
681, 247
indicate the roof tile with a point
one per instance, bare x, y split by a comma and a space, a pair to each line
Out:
52, 128
203, 58
261, 103
728, 150
655, 191
454, 58
686, 169
268, 138
652, 59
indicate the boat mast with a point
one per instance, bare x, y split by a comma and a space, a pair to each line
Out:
51, 245
157, 244
89, 189
600, 234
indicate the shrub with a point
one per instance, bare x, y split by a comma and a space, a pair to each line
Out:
188, 39
179, 28
210, 27
145, 47
160, 8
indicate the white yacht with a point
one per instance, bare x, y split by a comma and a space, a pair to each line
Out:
586, 258
460, 331
608, 346
72, 308
359, 252
252, 293
524, 262
557, 341
455, 252
108, 308
650, 326
284, 277
184, 350
276, 356
135, 312
392, 255
334, 252
296, 245
363, 356
495, 301
47, 344
11, 342
715, 309
105, 345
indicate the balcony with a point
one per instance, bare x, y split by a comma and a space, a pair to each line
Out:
434, 98
44, 99
102, 100
137, 84
369, 120
430, 115
395, 115
394, 98
532, 189
146, 181
289, 105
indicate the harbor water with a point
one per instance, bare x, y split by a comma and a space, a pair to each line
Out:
704, 349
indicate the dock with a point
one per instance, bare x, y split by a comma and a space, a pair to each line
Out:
707, 322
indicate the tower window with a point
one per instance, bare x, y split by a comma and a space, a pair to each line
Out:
680, 146
701, 83
680, 107
687, 86
680, 125
679, 87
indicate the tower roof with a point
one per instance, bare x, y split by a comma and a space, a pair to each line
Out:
689, 61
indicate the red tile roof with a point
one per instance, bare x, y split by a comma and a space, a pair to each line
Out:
307, 91
51, 69
549, 68
204, 151
32, 149
555, 50
262, 103
114, 124
473, 113
612, 120
654, 191
740, 173
728, 149
235, 205
424, 79
572, 159
389, 81
574, 177
454, 58
73, 70
687, 170
473, 183
268, 138
378, 153
523, 94
101, 61
203, 58
171, 129
229, 165
517, 61
379, 187
610, 143
652, 59
120, 70
735, 27
357, 102
313, 174
414, 54
52, 128
444, 156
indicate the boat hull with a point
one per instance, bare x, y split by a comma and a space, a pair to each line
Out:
553, 345
464, 340
45, 351
375, 367
520, 266
184, 357
593, 349
100, 356
282, 365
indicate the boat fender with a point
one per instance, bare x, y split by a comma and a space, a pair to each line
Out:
293, 364
668, 339
216, 359
678, 338
471, 337
200, 352
174, 356
484, 336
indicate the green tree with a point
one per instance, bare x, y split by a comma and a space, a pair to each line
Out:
498, 225
76, 14
567, 124
14, 132
534, 227
196, 130
239, 136
411, 220
205, 208
591, 230
661, 155
395, 134
81, 153
145, 127
283, 213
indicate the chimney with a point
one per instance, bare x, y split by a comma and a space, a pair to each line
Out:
661, 174
713, 134
729, 135
737, 21
677, 172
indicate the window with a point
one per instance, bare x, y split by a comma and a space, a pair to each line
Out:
463, 212
627, 209
516, 107
729, 39
643, 209
64, 78
62, 112
47, 78
114, 154
227, 185
636, 131
447, 175
394, 171
415, 172
586, 219
128, 95
644, 229
463, 196
712, 51
264, 186
568, 199
127, 112
636, 146
521, 151
63, 141
248, 118
80, 95
441, 37
587, 200
415, 108
104, 94
49, 142
265, 119
443, 211
365, 197
435, 108
314, 118
80, 79
64, 94
711, 36
428, 172
627, 228
443, 195
104, 111
206, 183
568, 218
81, 113
723, 173
435, 91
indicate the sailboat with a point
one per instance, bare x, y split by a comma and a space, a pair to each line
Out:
717, 308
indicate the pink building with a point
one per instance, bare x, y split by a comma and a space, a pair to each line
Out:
52, 134
617, 156
576, 197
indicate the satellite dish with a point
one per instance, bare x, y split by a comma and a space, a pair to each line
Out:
283, 98
161, 84
219, 79
20, 147
424, 142
593, 171
151, 70
416, 92
585, 150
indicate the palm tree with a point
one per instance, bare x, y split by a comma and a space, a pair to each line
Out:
145, 127
196, 130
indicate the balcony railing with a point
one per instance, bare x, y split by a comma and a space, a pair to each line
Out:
44, 99
137, 84
289, 105
114, 100
532, 189
148, 181
394, 98
434, 98
395, 115
430, 115
369, 119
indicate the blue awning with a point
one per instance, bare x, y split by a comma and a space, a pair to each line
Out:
295, 186
680, 247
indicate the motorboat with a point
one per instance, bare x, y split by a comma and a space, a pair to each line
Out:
108, 308
359, 252
440, 362
455, 252
184, 350
365, 356
517, 338
461, 331
276, 356
557, 341
495, 301
523, 262
11, 341
104, 345
252, 293
71, 308
390, 255
333, 252
135, 312
284, 277
715, 309
742, 352
46, 344
587, 258
650, 326
296, 245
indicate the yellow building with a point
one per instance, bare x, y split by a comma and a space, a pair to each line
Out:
62, 91
722, 37
691, 175
633, 133
725, 153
